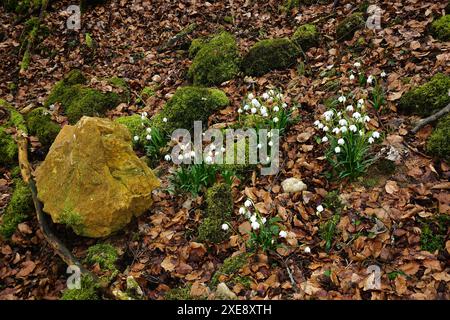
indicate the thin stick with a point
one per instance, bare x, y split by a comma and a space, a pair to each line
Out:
431, 118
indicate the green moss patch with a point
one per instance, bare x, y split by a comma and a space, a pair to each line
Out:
441, 28
40, 124
103, 254
216, 61
428, 98
19, 208
137, 127
230, 269
21, 6
347, 27
79, 100
219, 208
182, 293
8, 148
306, 36
270, 54
438, 144
187, 105
434, 232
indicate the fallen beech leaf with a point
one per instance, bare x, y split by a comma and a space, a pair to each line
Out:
27, 268
167, 264
391, 187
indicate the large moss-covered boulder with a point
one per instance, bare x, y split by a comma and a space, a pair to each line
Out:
92, 181
8, 148
187, 105
77, 99
270, 54
19, 208
438, 144
428, 98
441, 28
216, 60
40, 124
347, 27
306, 36
219, 209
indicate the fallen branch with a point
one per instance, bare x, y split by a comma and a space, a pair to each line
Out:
431, 118
175, 39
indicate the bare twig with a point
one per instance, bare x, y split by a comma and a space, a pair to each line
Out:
431, 118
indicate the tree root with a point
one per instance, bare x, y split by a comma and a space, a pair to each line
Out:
431, 118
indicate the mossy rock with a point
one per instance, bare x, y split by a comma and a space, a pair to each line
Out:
229, 269
79, 100
441, 28
40, 124
347, 27
219, 208
428, 98
137, 127
8, 148
291, 4
88, 290
103, 254
15, 119
195, 46
270, 54
438, 144
187, 105
306, 36
182, 293
216, 61
21, 6
18, 210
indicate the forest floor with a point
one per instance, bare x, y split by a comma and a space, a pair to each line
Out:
159, 248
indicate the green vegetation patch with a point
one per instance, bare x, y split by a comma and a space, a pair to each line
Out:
87, 291
434, 233
438, 144
270, 54
40, 124
347, 27
103, 254
216, 60
441, 28
137, 125
427, 98
8, 148
230, 269
306, 36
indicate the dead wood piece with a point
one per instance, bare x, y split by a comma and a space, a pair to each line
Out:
431, 118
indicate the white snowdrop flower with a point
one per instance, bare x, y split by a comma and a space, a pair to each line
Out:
280, 96
341, 141
183, 147
275, 119
167, 157
316, 123
307, 250
264, 114
208, 159
356, 115
360, 102
342, 122
371, 140
270, 143
325, 129
242, 210
239, 110
222, 149
250, 96
284, 105
383, 74
246, 107
353, 128
344, 129
248, 203
255, 225
149, 130
225, 227
349, 108
263, 110
143, 117
180, 157
259, 146
328, 114
361, 133
336, 130
283, 234
342, 99
265, 96
352, 77
164, 119
325, 139
370, 79
136, 138
269, 134
276, 109
357, 64
339, 114
337, 150
148, 137
376, 134
366, 118
319, 208
271, 92
253, 110
192, 154
263, 220
256, 103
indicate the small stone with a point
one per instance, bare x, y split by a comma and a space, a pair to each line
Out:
293, 185
224, 293
156, 78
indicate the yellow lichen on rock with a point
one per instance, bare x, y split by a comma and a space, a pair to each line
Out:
92, 180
